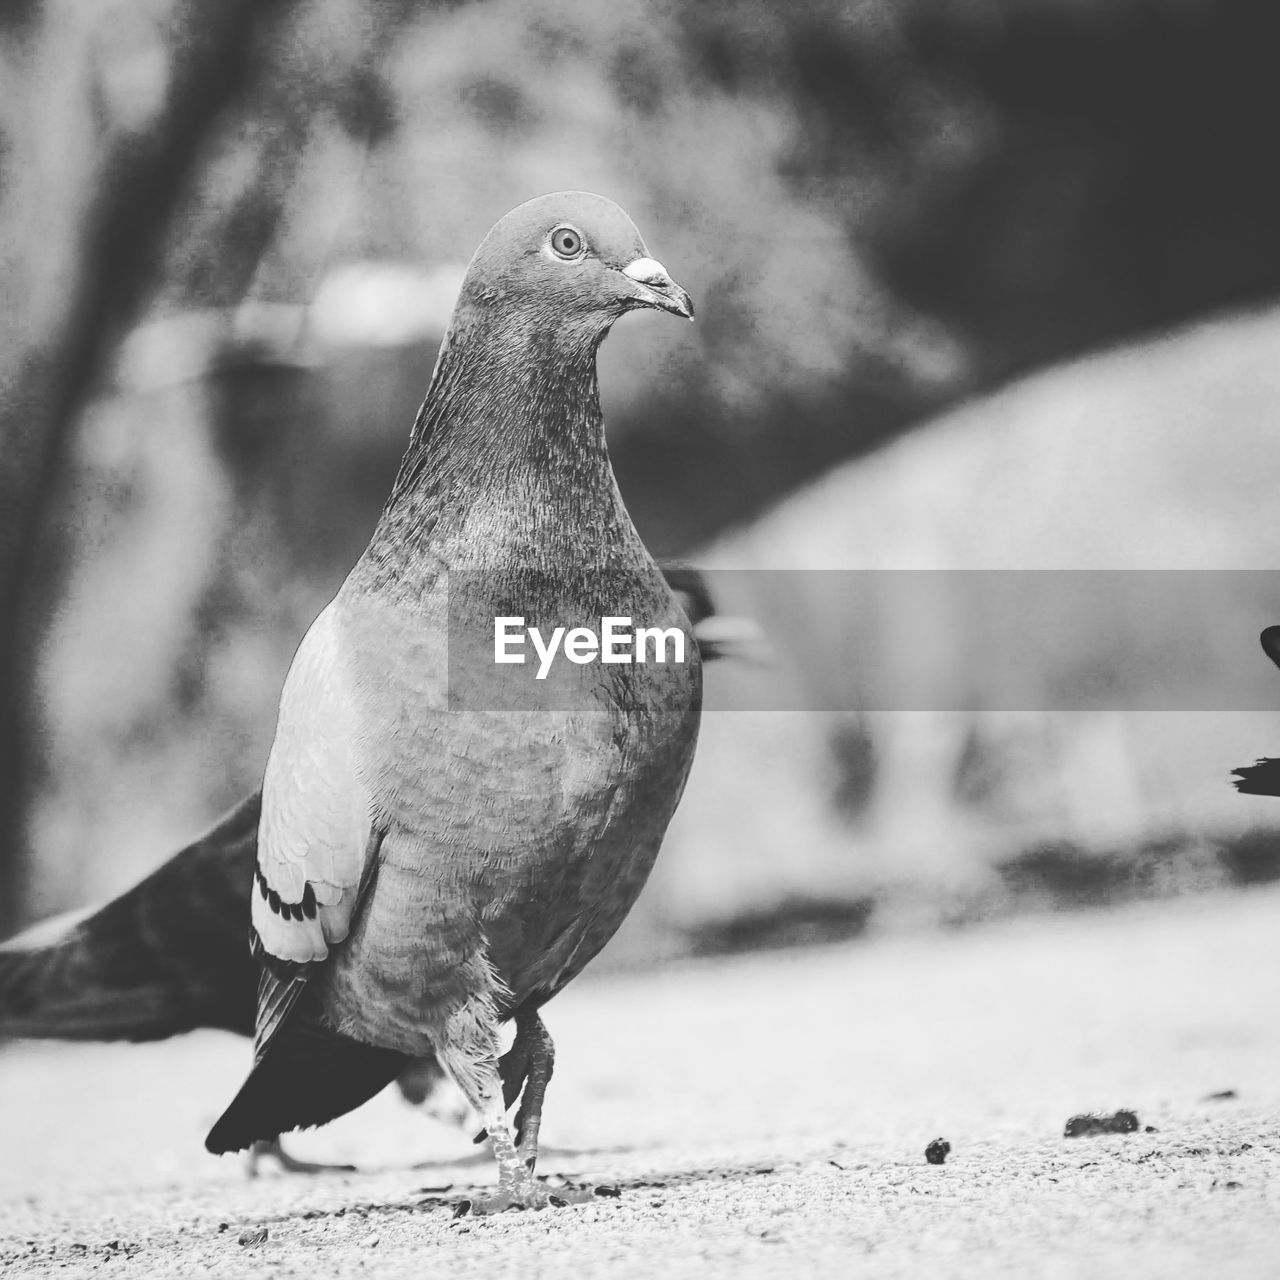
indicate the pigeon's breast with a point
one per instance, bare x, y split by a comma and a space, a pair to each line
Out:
516, 842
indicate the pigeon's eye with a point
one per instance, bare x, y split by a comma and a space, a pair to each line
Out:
566, 242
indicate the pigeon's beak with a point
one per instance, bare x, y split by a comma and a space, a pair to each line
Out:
653, 287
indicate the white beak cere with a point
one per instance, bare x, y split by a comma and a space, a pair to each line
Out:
659, 289
647, 271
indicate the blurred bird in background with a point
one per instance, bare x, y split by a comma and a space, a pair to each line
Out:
1262, 778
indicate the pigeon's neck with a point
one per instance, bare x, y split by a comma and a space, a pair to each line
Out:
507, 462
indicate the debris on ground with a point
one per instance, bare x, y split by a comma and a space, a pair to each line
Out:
1110, 1209
937, 1151
254, 1236
1222, 1095
1086, 1126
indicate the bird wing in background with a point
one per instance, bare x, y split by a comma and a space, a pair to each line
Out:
1270, 640
1262, 778
167, 956
1259, 779
718, 635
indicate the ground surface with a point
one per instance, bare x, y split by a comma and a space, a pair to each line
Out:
764, 1116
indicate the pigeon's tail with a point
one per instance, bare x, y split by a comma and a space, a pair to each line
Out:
1261, 779
308, 1075
169, 955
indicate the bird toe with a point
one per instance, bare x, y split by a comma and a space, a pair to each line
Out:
526, 1193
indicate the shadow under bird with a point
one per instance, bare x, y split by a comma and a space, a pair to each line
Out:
1262, 778
431, 863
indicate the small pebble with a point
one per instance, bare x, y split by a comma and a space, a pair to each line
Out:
257, 1235
1117, 1122
937, 1151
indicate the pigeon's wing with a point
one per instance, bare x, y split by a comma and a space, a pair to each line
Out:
317, 837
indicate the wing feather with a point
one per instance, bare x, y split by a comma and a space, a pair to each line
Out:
314, 835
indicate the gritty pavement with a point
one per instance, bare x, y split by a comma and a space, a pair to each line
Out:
761, 1116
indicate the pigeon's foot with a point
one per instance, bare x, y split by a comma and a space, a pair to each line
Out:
273, 1148
468, 1051
526, 1193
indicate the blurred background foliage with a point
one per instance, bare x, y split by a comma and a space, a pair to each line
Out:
232, 239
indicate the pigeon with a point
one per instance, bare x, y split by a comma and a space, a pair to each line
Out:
171, 954
435, 858
1262, 778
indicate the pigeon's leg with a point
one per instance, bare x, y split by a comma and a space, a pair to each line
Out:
537, 1054
526, 1068
469, 1052
290, 1164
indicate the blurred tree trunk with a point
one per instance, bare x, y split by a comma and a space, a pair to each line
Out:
100, 134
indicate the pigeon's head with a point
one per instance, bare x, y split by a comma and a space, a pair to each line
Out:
572, 262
